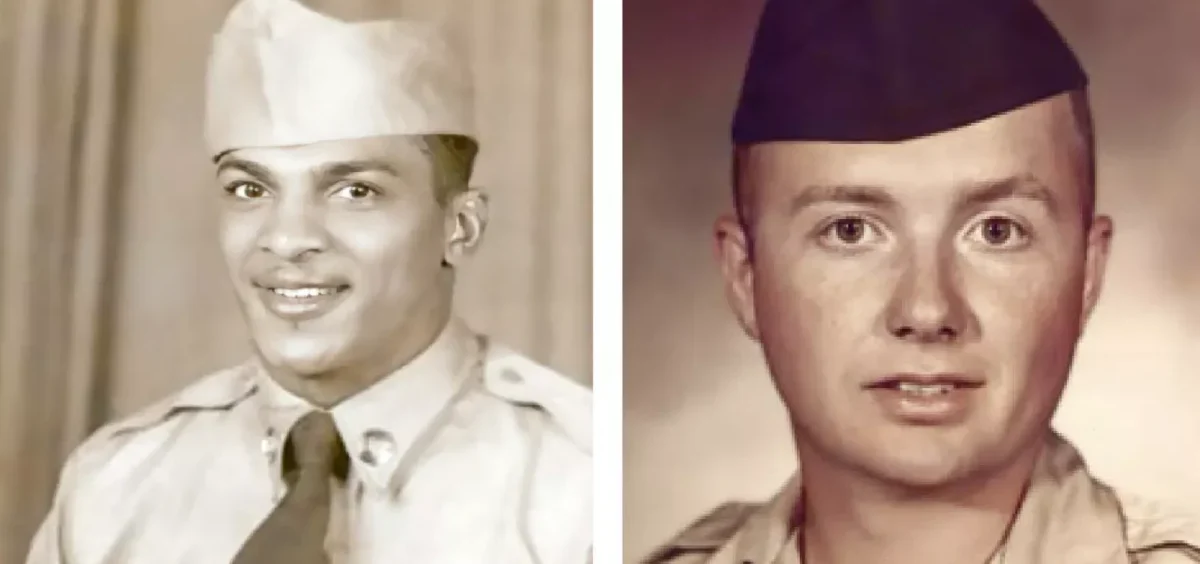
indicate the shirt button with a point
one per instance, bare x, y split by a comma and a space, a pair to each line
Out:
270, 445
378, 447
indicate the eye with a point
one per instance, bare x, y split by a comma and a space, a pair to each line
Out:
1000, 232
356, 191
246, 190
849, 232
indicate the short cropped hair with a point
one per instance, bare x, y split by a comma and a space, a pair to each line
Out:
453, 162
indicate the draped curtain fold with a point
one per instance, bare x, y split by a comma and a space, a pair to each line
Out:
59, 114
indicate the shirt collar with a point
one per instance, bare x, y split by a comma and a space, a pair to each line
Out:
769, 533
1066, 516
382, 424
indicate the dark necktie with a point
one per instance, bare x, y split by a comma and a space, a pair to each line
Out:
294, 532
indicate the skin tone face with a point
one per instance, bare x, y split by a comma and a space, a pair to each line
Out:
919, 303
341, 257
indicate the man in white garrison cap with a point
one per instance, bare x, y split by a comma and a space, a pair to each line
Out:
372, 425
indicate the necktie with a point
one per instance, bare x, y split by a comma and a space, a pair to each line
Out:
295, 530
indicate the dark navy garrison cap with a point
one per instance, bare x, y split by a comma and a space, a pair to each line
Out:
892, 70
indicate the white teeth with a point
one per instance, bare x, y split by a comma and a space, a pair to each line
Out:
925, 389
299, 293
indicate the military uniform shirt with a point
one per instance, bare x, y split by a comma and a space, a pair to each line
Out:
469, 454
1066, 517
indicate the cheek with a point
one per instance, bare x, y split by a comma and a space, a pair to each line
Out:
835, 298
1030, 319
1034, 296
392, 253
816, 315
238, 237
1048, 329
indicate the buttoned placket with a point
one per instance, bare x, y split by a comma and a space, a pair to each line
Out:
273, 424
382, 466
389, 464
271, 446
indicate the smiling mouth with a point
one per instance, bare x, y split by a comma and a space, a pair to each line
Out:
307, 292
299, 302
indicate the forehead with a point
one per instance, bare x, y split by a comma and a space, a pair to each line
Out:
395, 151
1039, 141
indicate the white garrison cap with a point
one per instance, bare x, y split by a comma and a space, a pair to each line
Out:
282, 74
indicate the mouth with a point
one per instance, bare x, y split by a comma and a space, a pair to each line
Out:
926, 385
925, 399
300, 301
306, 292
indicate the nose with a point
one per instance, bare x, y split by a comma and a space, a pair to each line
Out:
292, 232
928, 305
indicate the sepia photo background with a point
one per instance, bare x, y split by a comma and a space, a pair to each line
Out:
702, 422
112, 289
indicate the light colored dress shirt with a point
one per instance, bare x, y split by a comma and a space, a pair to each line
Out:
1066, 517
469, 454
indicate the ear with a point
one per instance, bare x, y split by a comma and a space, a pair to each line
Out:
734, 254
1099, 240
466, 220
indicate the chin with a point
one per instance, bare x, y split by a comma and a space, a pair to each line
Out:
911, 472
923, 460
304, 355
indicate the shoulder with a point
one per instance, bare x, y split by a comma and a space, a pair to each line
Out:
555, 415
704, 536
122, 442
566, 404
1159, 533
218, 391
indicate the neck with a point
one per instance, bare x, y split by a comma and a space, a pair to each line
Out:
852, 519
330, 388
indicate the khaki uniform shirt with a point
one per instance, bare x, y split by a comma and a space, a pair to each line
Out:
469, 454
1067, 517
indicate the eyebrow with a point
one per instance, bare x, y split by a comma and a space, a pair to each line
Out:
324, 172
1026, 187
343, 169
842, 194
254, 169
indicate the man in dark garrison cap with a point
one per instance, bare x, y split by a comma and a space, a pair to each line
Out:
916, 250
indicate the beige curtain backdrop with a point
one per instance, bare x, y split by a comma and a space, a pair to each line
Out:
60, 112
702, 422
112, 290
